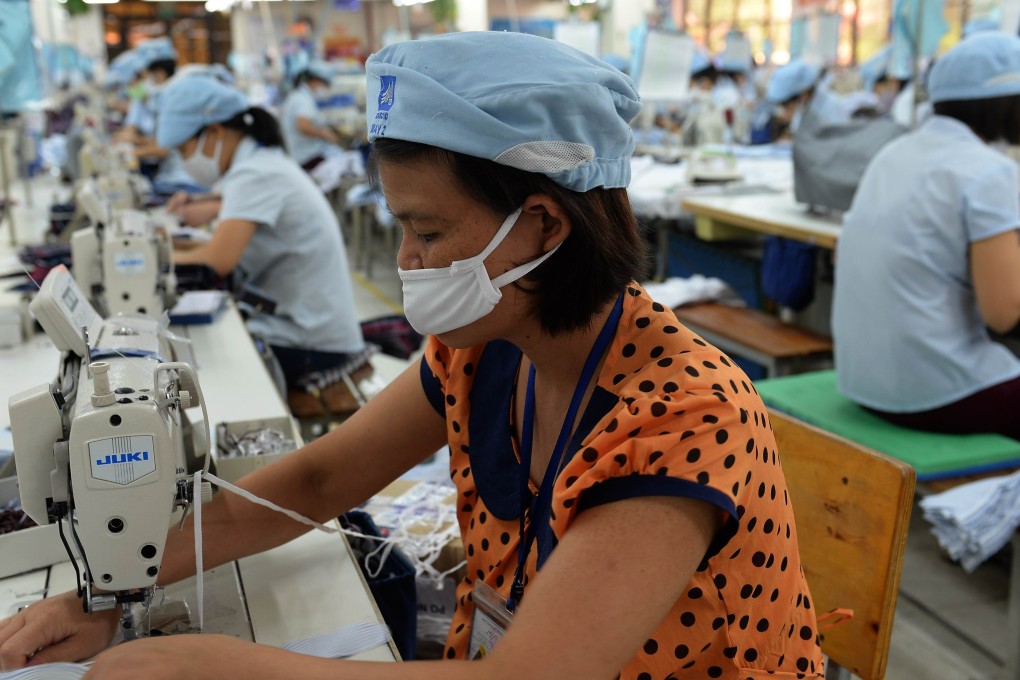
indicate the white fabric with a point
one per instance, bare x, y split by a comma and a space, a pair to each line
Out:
974, 521
296, 255
908, 333
676, 291
337, 165
338, 644
904, 104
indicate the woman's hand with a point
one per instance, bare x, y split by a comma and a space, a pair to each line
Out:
201, 656
54, 629
177, 203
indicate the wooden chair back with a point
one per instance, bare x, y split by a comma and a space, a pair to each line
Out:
852, 507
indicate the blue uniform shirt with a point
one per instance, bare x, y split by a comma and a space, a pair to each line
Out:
296, 255
908, 333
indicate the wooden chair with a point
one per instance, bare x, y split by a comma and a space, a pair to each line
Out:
852, 507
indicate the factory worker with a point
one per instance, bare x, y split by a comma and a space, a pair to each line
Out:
159, 60
625, 539
876, 75
704, 119
929, 257
307, 136
125, 78
789, 92
276, 232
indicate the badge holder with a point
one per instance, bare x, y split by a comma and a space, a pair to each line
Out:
489, 622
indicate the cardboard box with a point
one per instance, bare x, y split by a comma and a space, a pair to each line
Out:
378, 506
27, 549
233, 468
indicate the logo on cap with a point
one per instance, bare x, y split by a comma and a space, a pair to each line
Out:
387, 88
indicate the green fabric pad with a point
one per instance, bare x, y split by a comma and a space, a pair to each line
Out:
813, 398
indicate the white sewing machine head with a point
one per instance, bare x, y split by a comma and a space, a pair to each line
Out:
124, 261
102, 452
712, 166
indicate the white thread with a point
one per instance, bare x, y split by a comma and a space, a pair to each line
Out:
196, 495
430, 543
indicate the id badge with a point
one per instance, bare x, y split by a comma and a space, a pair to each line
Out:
489, 622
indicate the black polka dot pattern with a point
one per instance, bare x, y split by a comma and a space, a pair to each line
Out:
683, 415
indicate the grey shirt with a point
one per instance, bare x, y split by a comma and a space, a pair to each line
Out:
295, 257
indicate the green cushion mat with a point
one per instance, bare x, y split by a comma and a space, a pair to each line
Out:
813, 398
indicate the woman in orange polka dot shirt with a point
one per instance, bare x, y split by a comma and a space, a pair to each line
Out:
619, 488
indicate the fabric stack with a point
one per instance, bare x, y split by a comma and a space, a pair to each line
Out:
974, 521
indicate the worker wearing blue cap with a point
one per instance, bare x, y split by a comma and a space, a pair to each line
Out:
602, 452
929, 258
276, 233
308, 137
790, 91
157, 63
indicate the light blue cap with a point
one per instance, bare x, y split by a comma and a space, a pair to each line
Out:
982, 25
157, 49
874, 68
791, 80
621, 64
190, 104
984, 66
124, 68
520, 100
319, 70
700, 61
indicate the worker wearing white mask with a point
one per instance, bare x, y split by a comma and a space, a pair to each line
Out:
276, 233
929, 257
158, 63
603, 454
308, 137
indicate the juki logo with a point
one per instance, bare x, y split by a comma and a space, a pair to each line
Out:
136, 457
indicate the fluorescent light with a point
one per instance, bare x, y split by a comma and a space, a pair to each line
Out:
101, 2
405, 3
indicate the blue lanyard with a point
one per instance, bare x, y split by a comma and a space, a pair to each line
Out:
527, 431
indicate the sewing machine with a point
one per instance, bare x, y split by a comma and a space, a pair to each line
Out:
114, 170
705, 166
124, 260
104, 451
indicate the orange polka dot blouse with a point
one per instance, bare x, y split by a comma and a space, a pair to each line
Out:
670, 416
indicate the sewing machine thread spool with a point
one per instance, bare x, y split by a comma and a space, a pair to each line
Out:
101, 393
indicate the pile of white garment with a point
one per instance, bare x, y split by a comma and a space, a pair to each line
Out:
974, 521
676, 291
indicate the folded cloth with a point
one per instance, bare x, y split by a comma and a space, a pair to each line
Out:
974, 521
676, 291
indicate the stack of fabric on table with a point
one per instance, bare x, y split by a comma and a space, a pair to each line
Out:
974, 521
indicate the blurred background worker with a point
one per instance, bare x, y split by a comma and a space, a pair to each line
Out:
157, 60
929, 257
788, 95
276, 232
307, 137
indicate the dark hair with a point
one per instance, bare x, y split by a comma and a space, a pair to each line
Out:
167, 66
709, 72
258, 124
901, 83
810, 92
305, 76
604, 252
990, 119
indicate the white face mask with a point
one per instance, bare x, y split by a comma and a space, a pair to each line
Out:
443, 299
203, 170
